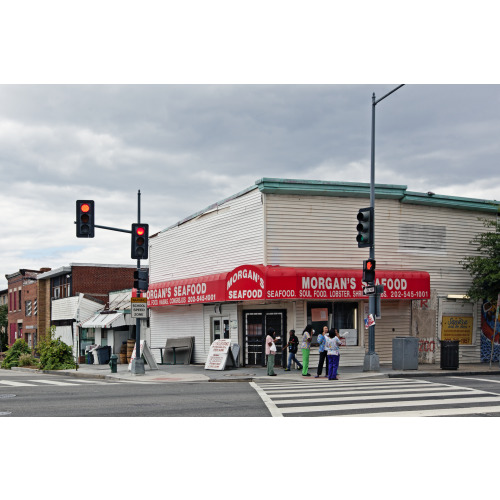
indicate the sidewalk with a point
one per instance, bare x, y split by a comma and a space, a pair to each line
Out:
197, 373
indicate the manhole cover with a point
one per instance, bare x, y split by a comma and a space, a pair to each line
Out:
2, 413
7, 396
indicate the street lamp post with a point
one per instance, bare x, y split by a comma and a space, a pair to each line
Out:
371, 362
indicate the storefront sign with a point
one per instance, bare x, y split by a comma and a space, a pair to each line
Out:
219, 352
245, 283
287, 283
457, 328
190, 291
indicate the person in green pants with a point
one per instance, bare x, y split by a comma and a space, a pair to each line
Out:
306, 349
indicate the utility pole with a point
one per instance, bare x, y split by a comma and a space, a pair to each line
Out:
372, 362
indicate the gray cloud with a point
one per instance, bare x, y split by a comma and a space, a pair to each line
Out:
187, 146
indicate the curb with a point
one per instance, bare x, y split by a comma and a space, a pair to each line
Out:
443, 373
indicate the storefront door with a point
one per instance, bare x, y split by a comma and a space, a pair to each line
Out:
220, 328
256, 325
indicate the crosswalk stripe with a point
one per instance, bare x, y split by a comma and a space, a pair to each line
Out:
377, 396
398, 404
15, 384
339, 384
388, 392
93, 382
53, 382
479, 379
436, 412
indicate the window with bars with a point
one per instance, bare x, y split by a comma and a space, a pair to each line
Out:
28, 308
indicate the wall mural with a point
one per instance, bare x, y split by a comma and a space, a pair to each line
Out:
488, 314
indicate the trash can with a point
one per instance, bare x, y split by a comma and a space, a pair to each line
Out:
90, 358
103, 354
449, 354
405, 353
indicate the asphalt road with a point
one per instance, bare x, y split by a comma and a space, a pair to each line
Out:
42, 395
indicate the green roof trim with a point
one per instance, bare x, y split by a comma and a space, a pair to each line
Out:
362, 190
328, 188
438, 200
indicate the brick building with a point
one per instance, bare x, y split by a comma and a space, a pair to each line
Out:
22, 299
94, 281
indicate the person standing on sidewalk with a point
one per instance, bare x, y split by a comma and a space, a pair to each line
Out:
293, 347
270, 351
306, 349
333, 354
322, 352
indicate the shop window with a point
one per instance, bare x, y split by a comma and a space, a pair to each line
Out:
340, 315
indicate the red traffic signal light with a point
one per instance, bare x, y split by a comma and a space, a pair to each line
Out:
85, 218
140, 241
369, 271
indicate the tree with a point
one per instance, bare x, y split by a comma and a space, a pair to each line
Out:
485, 267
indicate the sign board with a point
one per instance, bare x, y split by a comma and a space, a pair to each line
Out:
219, 352
139, 307
146, 354
368, 290
457, 328
348, 337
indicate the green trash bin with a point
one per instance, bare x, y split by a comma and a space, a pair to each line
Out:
449, 354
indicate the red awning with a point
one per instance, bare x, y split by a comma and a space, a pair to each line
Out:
259, 282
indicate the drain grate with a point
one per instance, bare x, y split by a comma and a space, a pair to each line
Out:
7, 396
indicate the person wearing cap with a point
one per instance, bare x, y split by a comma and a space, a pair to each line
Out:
270, 351
306, 349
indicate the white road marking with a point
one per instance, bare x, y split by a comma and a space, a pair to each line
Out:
275, 412
357, 406
52, 382
15, 384
437, 412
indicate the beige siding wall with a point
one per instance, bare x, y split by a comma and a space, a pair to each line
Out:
175, 321
320, 231
215, 242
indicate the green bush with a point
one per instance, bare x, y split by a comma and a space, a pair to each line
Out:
27, 360
12, 357
54, 353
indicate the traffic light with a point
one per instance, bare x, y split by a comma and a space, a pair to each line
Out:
85, 218
365, 227
141, 279
140, 241
369, 271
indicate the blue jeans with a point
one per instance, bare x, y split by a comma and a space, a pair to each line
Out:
291, 357
333, 366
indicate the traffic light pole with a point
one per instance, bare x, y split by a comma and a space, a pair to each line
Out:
138, 362
372, 362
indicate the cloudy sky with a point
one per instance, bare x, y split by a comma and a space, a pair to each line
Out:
274, 93
187, 146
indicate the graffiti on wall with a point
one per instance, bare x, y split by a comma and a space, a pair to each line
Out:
488, 332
